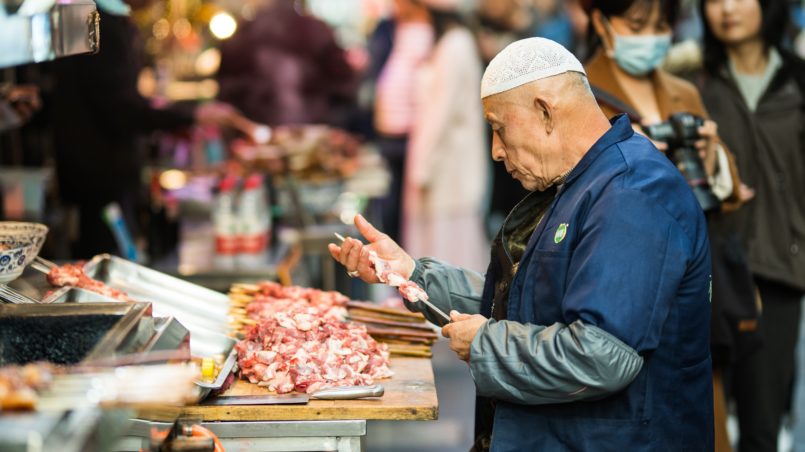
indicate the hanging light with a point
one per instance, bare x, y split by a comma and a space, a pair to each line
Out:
223, 25
172, 179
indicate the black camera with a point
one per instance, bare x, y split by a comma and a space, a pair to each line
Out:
680, 132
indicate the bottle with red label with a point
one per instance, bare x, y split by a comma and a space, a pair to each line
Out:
225, 223
255, 223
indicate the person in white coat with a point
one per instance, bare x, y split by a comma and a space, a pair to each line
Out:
446, 174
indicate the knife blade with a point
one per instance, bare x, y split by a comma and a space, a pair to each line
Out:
336, 393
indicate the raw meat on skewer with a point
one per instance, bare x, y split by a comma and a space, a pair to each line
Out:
408, 289
73, 275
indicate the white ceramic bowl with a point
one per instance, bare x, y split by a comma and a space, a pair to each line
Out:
19, 245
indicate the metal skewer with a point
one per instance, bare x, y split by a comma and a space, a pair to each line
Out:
426, 302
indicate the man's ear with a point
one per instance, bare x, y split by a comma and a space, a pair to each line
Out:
545, 112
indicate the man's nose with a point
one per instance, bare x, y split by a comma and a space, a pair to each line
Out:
498, 151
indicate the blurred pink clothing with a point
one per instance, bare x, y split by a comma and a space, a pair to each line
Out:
394, 103
447, 167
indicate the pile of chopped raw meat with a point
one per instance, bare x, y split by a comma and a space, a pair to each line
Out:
408, 289
73, 275
302, 344
274, 298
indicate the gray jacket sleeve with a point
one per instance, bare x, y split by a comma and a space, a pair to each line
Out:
534, 364
447, 287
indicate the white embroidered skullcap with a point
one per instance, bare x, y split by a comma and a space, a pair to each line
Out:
525, 61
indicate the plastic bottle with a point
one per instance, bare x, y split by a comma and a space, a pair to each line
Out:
255, 224
225, 224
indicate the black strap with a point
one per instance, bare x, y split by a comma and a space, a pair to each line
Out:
606, 98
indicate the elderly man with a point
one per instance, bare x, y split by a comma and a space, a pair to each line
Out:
590, 329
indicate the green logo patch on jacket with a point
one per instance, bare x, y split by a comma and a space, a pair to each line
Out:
561, 232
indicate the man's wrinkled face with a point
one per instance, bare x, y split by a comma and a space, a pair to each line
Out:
520, 141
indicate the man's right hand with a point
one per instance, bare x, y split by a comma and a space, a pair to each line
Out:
354, 255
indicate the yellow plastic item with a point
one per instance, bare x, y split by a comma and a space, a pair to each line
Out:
207, 368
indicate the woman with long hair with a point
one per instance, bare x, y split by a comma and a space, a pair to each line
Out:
755, 90
446, 167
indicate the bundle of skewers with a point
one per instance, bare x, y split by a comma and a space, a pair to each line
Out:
406, 333
240, 295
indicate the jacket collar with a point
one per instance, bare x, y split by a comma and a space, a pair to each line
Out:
620, 130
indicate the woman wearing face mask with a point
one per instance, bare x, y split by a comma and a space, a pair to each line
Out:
628, 41
756, 91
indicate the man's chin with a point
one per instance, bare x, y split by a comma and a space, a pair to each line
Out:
531, 185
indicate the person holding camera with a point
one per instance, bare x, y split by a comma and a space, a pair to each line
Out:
755, 89
628, 40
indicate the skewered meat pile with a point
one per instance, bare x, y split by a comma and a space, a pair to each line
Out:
273, 298
404, 332
73, 275
304, 349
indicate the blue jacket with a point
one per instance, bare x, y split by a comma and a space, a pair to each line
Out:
624, 248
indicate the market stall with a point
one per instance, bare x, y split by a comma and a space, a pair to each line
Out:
266, 355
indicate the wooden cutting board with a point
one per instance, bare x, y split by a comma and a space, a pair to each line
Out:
410, 395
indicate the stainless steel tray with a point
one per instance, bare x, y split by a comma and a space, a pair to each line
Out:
129, 333
197, 308
203, 312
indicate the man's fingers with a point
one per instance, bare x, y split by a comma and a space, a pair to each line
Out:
364, 264
456, 316
366, 229
447, 330
334, 250
354, 255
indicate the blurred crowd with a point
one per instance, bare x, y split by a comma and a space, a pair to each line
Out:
724, 79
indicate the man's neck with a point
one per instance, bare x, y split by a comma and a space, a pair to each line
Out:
749, 57
587, 130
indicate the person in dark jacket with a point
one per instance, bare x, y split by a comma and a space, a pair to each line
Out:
755, 90
590, 329
98, 117
284, 67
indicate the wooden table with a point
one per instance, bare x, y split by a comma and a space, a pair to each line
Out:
318, 425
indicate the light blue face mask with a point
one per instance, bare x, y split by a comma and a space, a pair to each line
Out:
114, 7
639, 55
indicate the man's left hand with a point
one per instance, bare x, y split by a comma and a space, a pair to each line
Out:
461, 331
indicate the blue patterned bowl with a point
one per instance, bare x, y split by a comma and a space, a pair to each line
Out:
19, 245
